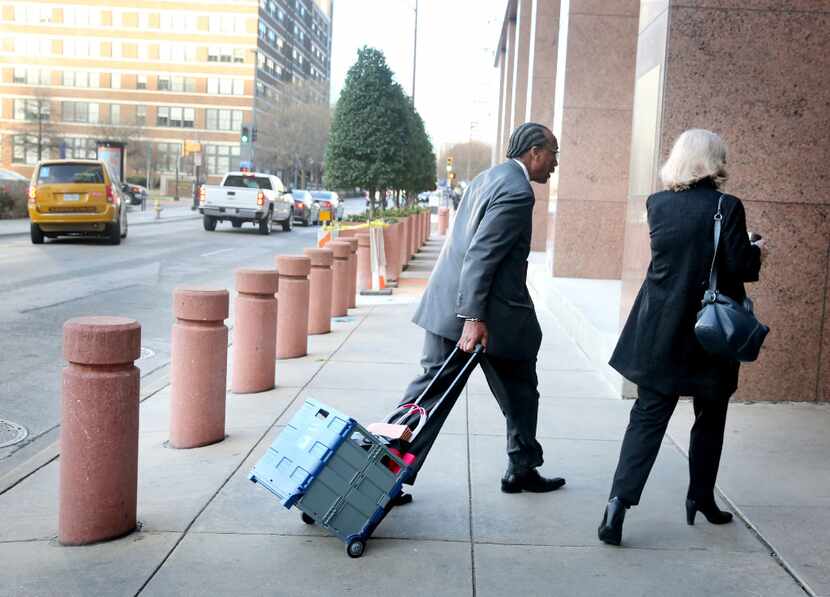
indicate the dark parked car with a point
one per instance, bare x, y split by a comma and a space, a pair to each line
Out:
136, 193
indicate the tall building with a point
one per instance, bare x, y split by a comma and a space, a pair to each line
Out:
163, 77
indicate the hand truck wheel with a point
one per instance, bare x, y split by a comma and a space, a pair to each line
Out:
355, 548
306, 518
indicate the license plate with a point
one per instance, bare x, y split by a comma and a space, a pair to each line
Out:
325, 216
72, 197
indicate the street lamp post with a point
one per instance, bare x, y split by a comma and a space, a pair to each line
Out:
415, 53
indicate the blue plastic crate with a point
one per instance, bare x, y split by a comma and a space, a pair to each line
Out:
301, 451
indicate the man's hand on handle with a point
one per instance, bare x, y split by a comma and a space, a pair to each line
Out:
474, 332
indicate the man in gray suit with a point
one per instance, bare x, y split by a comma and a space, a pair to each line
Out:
477, 295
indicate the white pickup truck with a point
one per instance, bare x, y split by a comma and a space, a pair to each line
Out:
247, 197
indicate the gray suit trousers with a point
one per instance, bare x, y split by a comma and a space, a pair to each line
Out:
513, 383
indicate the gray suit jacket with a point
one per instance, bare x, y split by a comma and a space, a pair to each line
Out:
482, 269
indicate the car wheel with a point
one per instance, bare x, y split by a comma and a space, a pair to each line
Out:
209, 223
37, 234
288, 225
266, 224
114, 233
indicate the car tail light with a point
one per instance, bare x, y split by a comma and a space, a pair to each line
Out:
326, 204
260, 198
32, 195
202, 195
111, 194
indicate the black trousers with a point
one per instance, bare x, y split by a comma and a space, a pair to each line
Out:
513, 383
649, 419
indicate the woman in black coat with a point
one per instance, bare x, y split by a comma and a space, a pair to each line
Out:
658, 350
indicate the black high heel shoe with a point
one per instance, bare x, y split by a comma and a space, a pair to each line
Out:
610, 529
710, 510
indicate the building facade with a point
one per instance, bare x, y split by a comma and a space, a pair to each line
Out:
160, 76
617, 81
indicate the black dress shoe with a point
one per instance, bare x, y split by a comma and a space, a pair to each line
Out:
710, 510
530, 481
610, 529
402, 499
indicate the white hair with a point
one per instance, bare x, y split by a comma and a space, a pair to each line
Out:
697, 154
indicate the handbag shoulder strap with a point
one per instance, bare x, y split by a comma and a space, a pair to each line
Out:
713, 269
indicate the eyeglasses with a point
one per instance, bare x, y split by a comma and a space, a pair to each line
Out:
551, 148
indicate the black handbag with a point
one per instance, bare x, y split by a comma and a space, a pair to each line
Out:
725, 327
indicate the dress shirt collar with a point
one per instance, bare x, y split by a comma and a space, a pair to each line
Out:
524, 169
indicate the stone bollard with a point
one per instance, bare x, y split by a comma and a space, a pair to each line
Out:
99, 429
320, 288
429, 224
292, 318
199, 367
443, 220
364, 262
254, 331
391, 239
414, 235
404, 242
353, 246
341, 270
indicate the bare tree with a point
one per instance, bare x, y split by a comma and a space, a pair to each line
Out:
469, 159
291, 137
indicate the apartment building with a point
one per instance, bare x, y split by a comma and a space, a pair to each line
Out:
153, 75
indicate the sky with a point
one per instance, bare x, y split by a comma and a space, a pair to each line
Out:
456, 89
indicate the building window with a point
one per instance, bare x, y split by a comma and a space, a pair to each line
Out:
167, 155
79, 112
81, 47
220, 158
81, 16
30, 109
115, 81
180, 22
31, 76
141, 82
224, 86
175, 117
24, 149
141, 115
223, 120
81, 79
173, 52
33, 46
115, 114
79, 148
33, 14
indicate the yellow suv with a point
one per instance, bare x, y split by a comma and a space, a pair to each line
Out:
76, 197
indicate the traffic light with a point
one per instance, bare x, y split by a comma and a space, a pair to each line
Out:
245, 137
449, 164
253, 133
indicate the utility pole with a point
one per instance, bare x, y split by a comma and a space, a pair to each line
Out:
39, 129
415, 53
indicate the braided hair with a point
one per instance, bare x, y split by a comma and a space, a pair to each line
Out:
527, 135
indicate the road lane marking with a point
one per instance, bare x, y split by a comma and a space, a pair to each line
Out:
216, 252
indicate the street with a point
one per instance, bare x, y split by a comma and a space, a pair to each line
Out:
43, 286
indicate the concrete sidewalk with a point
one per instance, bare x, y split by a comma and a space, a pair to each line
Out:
207, 530
171, 211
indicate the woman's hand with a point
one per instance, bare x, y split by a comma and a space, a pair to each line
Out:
762, 245
474, 332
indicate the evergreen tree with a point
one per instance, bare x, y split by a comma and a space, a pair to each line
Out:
377, 140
